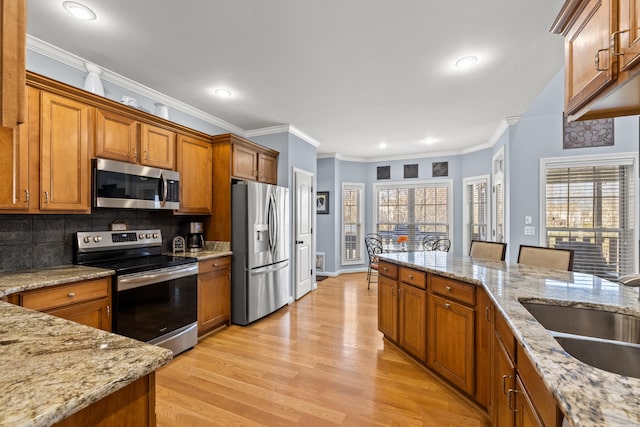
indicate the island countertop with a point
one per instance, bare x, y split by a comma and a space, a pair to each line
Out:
586, 395
53, 368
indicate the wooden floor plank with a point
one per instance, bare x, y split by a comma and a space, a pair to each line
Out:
318, 362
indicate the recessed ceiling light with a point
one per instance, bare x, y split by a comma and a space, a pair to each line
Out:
429, 140
383, 145
79, 11
466, 62
224, 93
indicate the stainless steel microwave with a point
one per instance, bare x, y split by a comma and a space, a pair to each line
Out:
125, 185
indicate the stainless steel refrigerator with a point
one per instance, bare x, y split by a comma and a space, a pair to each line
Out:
260, 245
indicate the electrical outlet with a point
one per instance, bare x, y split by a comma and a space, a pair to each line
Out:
529, 231
527, 220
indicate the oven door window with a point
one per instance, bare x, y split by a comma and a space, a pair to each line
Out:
150, 311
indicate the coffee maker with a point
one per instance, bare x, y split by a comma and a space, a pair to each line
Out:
195, 237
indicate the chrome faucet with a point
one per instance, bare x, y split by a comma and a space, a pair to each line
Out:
632, 280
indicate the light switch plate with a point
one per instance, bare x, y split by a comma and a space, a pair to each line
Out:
527, 220
529, 231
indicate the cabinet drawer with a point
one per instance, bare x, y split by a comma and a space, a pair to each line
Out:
453, 289
214, 264
60, 296
503, 331
413, 277
388, 270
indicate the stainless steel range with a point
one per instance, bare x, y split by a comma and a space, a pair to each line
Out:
155, 296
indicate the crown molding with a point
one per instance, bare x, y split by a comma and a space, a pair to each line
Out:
67, 58
288, 128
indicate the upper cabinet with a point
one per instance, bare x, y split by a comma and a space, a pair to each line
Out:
194, 162
123, 138
250, 161
13, 30
602, 52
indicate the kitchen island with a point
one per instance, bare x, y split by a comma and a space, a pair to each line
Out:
58, 371
586, 395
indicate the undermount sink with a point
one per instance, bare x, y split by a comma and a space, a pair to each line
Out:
603, 339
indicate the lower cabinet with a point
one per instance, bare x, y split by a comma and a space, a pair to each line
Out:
214, 294
87, 302
412, 313
388, 307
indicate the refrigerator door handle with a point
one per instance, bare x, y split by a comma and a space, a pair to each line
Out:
270, 208
276, 221
269, 268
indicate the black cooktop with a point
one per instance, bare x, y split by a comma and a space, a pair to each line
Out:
139, 264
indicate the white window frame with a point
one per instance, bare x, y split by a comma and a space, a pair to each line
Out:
360, 240
498, 178
417, 184
486, 179
628, 158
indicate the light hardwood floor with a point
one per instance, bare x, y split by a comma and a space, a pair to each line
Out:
320, 361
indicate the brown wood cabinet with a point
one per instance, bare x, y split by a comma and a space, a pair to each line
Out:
86, 302
194, 162
504, 374
602, 78
13, 32
214, 294
14, 168
483, 347
388, 307
116, 136
412, 320
65, 136
234, 158
157, 146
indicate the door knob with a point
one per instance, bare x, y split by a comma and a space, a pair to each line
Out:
299, 242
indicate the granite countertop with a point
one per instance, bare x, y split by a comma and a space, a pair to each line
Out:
588, 396
18, 281
53, 368
212, 249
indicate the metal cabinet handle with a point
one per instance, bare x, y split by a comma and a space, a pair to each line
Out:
612, 43
487, 309
71, 294
448, 288
385, 269
135, 153
46, 197
447, 305
108, 311
597, 59
26, 196
512, 407
146, 154
504, 383
411, 276
393, 291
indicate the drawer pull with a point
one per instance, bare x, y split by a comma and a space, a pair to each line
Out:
411, 276
447, 305
72, 294
449, 289
385, 269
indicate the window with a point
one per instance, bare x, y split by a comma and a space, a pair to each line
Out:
499, 215
590, 208
413, 210
352, 223
476, 210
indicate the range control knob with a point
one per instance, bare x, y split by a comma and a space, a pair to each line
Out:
155, 235
140, 236
148, 235
87, 239
97, 239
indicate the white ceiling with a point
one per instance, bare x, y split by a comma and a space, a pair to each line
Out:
350, 74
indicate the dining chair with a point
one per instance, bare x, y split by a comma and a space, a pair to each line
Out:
428, 241
374, 248
442, 245
538, 256
494, 251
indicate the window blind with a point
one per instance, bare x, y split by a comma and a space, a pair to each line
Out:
477, 215
590, 209
352, 238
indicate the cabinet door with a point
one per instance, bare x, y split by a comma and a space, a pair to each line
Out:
96, 314
14, 168
412, 334
64, 154
13, 31
502, 385
267, 169
450, 351
244, 162
388, 307
116, 137
214, 294
629, 41
158, 147
484, 336
194, 162
526, 415
587, 46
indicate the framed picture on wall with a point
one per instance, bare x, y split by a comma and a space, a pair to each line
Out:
322, 202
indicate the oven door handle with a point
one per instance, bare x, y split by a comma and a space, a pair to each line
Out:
136, 280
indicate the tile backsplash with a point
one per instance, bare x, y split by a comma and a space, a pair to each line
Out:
36, 241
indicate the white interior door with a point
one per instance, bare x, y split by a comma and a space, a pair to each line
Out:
303, 214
